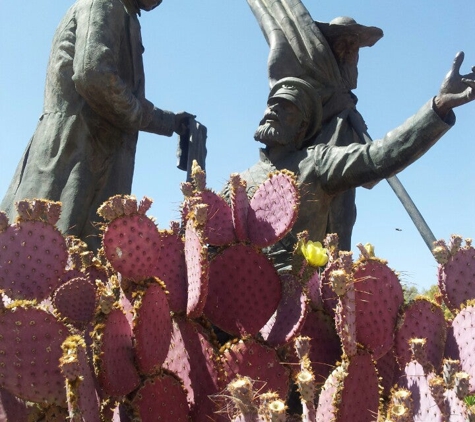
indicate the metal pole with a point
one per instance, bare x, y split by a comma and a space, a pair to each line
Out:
397, 187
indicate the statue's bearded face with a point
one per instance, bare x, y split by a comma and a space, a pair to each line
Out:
346, 50
148, 5
282, 124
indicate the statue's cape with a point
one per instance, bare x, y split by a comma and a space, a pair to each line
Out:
297, 46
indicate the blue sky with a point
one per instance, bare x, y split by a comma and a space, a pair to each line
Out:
209, 58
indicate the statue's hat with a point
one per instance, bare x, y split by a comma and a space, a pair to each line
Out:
343, 25
305, 97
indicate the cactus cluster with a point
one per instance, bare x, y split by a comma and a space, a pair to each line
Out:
194, 323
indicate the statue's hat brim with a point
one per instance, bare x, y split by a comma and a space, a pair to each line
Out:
367, 35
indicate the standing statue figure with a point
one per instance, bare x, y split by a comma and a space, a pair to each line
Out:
83, 149
323, 170
326, 55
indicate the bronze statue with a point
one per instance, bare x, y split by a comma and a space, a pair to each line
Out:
83, 149
323, 170
326, 56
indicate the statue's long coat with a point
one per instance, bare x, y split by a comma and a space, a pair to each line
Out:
83, 149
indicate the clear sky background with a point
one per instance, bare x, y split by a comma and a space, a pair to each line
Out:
209, 57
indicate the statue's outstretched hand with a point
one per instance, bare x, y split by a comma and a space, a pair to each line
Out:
182, 122
456, 89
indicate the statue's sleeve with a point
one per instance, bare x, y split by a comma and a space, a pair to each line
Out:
342, 168
100, 32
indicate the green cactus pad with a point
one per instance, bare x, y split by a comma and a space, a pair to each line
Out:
116, 369
152, 329
289, 318
162, 398
379, 296
33, 257
244, 290
193, 358
273, 209
421, 319
30, 349
131, 245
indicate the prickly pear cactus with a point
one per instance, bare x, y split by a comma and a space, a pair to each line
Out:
161, 398
114, 355
379, 296
197, 265
244, 290
171, 268
422, 318
456, 273
273, 209
258, 362
75, 301
33, 258
193, 357
130, 240
26, 331
289, 318
152, 328
343, 398
464, 331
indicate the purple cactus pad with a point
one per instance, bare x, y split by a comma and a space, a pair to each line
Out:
131, 246
30, 349
152, 329
244, 290
33, 257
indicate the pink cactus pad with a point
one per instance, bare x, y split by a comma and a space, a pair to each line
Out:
325, 346
219, 228
193, 358
313, 290
464, 336
75, 300
196, 256
33, 257
273, 209
421, 319
152, 329
343, 398
131, 246
86, 400
328, 296
379, 296
249, 358
171, 269
288, 319
457, 278
162, 398
387, 370
244, 290
12, 408
30, 349
239, 207
117, 373
425, 407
